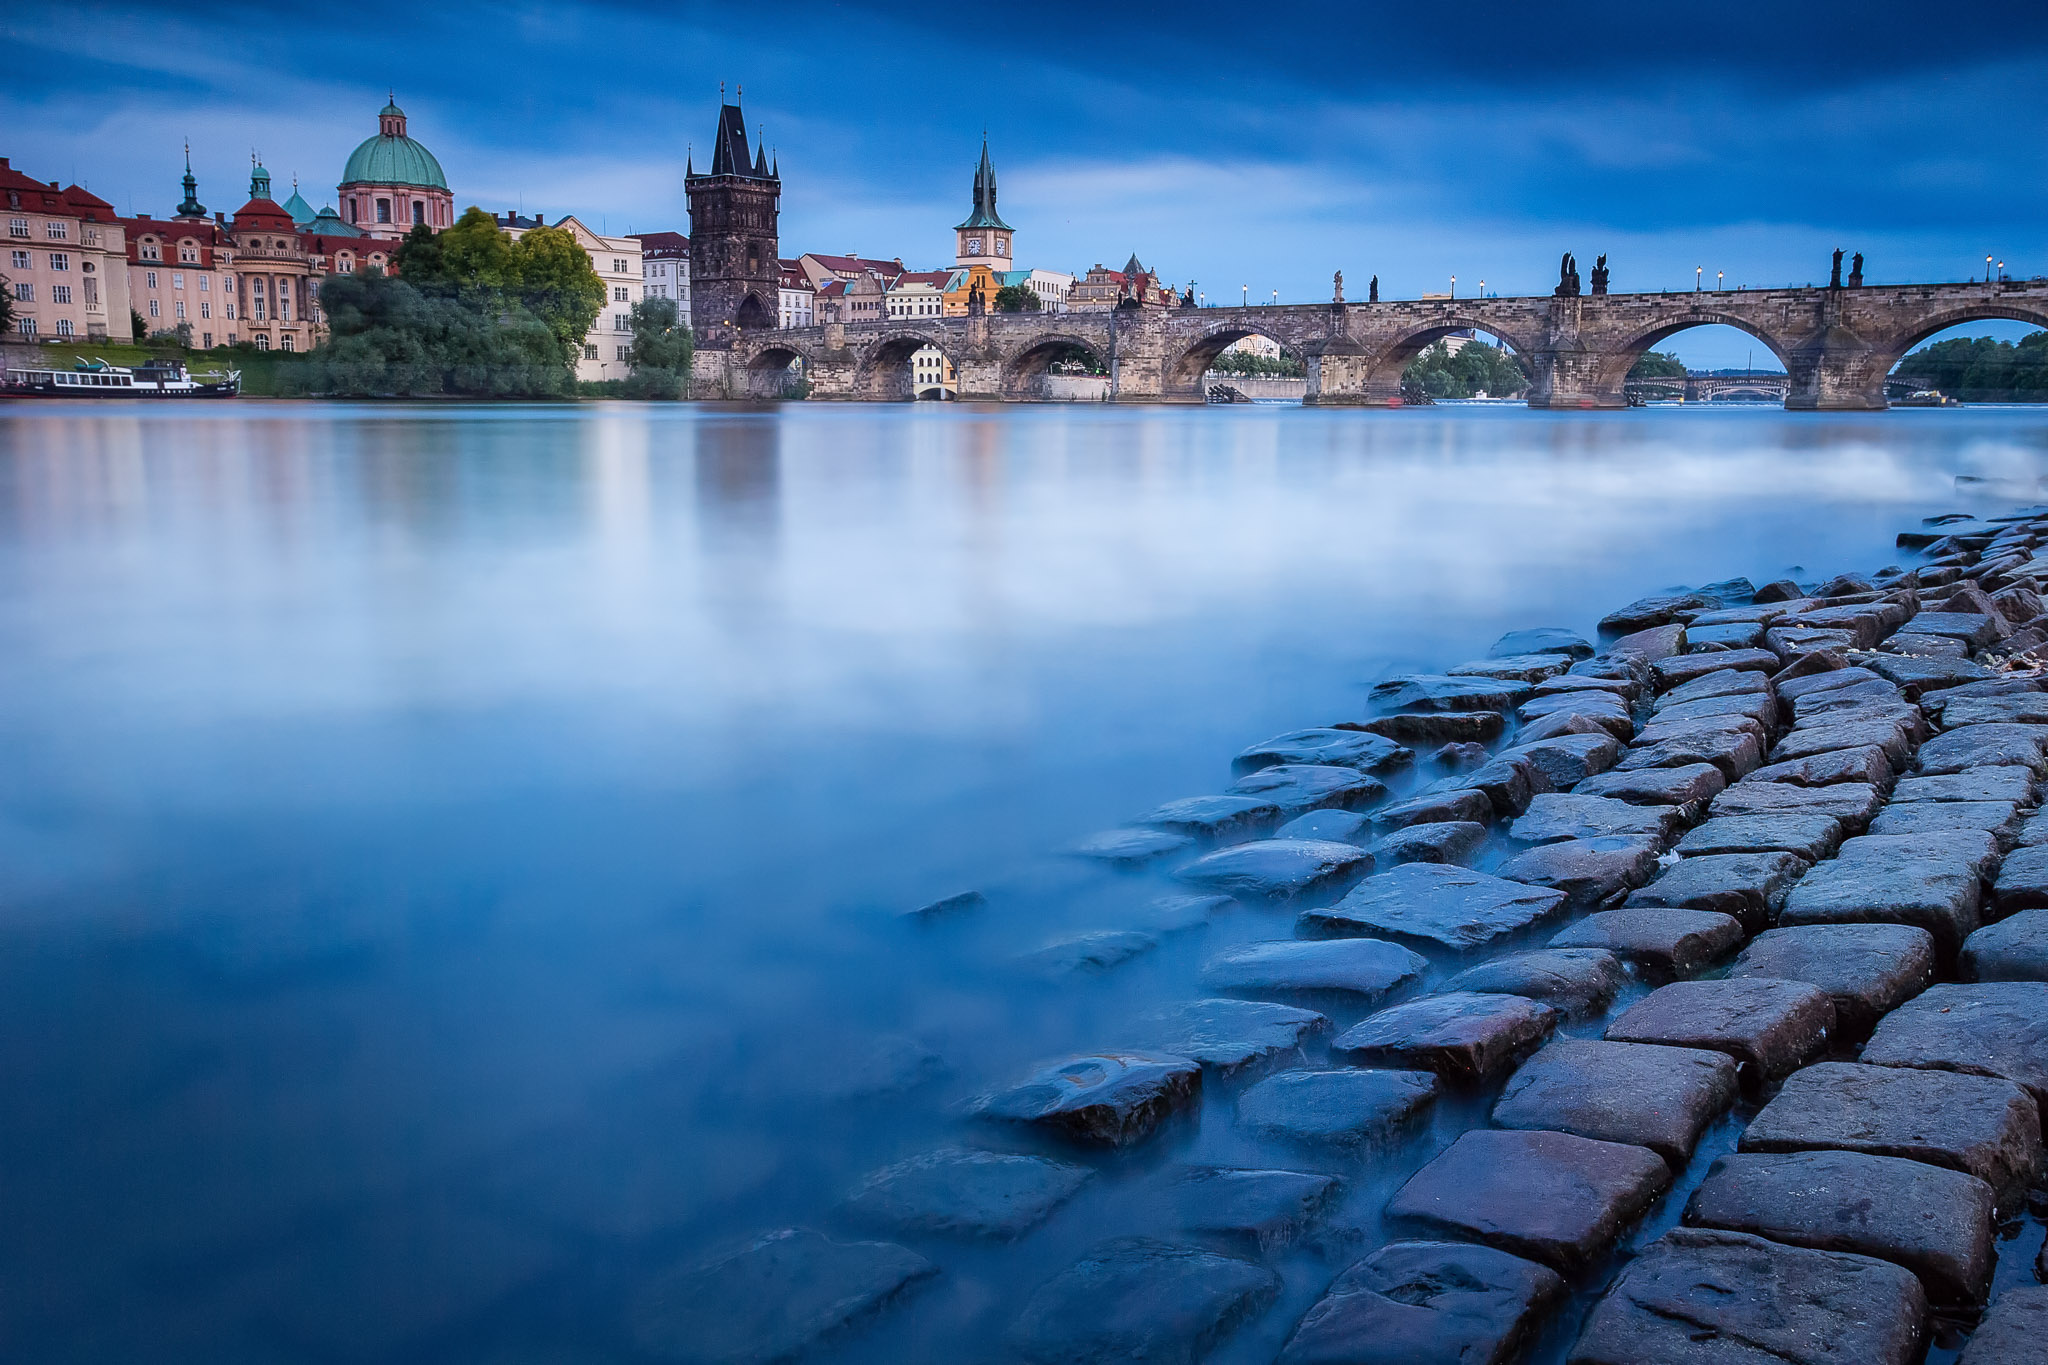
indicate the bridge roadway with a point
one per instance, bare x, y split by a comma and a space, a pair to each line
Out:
1836, 344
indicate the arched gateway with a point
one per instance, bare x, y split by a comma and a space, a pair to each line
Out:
1837, 343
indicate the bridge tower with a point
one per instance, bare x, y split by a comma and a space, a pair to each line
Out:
735, 274
985, 239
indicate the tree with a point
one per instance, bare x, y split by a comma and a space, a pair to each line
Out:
472, 260
1016, 298
1657, 365
137, 328
387, 337
661, 351
557, 284
6, 305
1981, 369
1473, 369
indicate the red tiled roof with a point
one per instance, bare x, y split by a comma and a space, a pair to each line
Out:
855, 265
660, 244
266, 215
932, 277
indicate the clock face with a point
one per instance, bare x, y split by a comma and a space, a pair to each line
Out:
974, 246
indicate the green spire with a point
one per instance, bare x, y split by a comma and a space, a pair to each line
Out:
191, 207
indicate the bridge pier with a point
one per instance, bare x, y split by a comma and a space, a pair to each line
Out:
1575, 380
1840, 379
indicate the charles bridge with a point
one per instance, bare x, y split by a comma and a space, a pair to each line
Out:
1837, 344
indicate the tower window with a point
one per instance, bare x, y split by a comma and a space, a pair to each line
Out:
419, 212
383, 210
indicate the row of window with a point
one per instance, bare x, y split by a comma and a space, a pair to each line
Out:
27, 327
55, 229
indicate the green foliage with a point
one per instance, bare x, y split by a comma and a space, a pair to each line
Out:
6, 305
557, 284
137, 328
1475, 368
387, 337
1982, 370
1016, 298
544, 275
1245, 363
1072, 359
661, 351
1657, 365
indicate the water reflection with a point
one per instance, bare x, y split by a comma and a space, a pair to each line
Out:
452, 855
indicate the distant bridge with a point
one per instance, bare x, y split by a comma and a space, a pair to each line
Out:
1706, 386
1837, 344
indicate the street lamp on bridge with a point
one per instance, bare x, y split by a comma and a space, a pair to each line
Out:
1987, 270
1276, 298
1719, 277
1244, 291
1454, 286
1699, 273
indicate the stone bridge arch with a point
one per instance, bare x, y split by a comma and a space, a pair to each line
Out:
1891, 349
1206, 337
882, 366
1397, 347
770, 370
1026, 366
1610, 375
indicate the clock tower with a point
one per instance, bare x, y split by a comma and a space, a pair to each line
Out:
985, 239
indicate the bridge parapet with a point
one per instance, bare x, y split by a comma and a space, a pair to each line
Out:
1837, 344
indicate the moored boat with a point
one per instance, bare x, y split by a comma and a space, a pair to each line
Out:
162, 378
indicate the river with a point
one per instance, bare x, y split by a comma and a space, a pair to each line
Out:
453, 859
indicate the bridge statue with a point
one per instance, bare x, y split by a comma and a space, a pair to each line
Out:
1340, 287
1567, 277
1372, 294
1835, 279
976, 302
1600, 274
1856, 271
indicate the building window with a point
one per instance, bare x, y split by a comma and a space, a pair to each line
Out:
622, 353
25, 326
286, 341
60, 260
618, 267
154, 311
149, 251
92, 292
231, 338
92, 236
21, 260
24, 291
206, 340
620, 294
64, 327
204, 284
344, 266
180, 307
17, 227
419, 212
351, 210
149, 279
383, 210
57, 231
590, 352
177, 279
620, 323
205, 309
60, 293
228, 312
188, 254
262, 341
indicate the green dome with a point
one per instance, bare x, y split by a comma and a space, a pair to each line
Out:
393, 161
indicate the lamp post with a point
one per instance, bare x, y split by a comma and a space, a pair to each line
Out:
1699, 273
1719, 277
2001, 272
1482, 288
1244, 291
1987, 270
1454, 286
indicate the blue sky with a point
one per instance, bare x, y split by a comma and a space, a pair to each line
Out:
1232, 145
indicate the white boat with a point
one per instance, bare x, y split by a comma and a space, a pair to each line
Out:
97, 379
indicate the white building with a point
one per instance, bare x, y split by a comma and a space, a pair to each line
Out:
617, 261
665, 269
1051, 286
797, 298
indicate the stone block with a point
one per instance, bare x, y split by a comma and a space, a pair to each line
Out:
1935, 1223
1987, 1127
1938, 817
2014, 949
1550, 1197
1437, 903
1985, 1028
1770, 1027
1686, 787
1938, 896
1435, 727
1743, 652
1662, 943
1327, 748
1278, 869
1447, 841
1140, 1299
2018, 708
1343, 1108
1748, 886
1269, 1209
1810, 836
1976, 849
1528, 668
1971, 628
1661, 1098
2012, 1332
1215, 818
2022, 881
1439, 692
1298, 787
1698, 1296
1463, 806
1107, 1100
1541, 640
1355, 970
1465, 1037
1130, 847
957, 1192
1427, 1301
1556, 816
1648, 612
1983, 746
1574, 981
1725, 682
1566, 760
1852, 803
2014, 784
1590, 872
1866, 969
1230, 1036
1604, 709
1870, 765
1332, 826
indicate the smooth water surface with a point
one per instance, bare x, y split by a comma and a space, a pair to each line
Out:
452, 859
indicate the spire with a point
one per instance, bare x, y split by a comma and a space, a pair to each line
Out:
690, 161
259, 179
191, 207
985, 215
729, 154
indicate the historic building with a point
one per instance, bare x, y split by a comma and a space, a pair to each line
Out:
617, 261
985, 239
735, 267
797, 297
392, 183
1102, 289
66, 262
820, 269
665, 269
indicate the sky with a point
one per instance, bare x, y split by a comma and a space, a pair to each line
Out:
1243, 148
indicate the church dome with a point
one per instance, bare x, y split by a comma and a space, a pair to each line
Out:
392, 158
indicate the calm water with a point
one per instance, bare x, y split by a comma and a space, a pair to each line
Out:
451, 858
